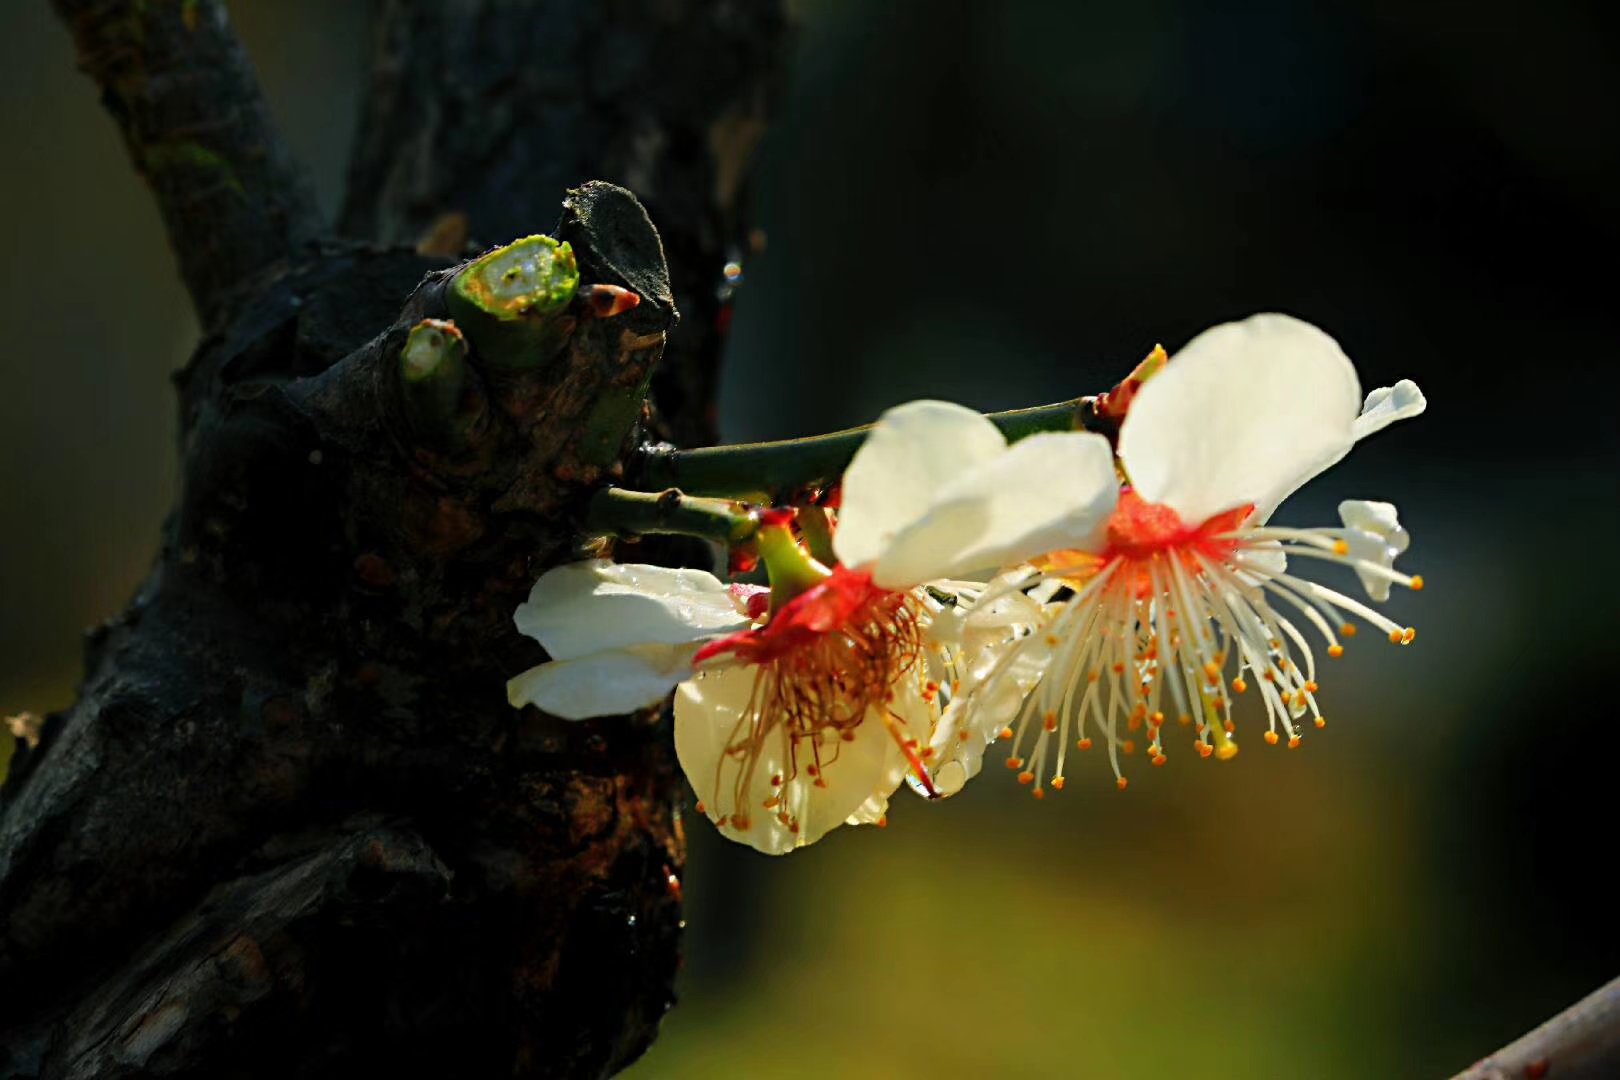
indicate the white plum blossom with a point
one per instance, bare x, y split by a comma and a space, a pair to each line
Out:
794, 718
1166, 584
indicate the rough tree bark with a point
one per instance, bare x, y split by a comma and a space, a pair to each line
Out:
291, 827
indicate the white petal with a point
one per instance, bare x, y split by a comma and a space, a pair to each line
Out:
1388, 404
917, 717
1374, 534
605, 683
1245, 413
585, 607
709, 717
912, 451
1049, 491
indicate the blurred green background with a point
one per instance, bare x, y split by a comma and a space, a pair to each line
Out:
1002, 205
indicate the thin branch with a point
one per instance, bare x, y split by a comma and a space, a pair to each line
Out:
766, 471
616, 512
186, 100
1580, 1043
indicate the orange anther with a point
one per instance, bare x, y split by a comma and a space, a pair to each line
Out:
1004, 733
1229, 726
700, 808
1335, 651
1051, 639
1156, 719
1159, 759
1408, 634
1239, 685
1204, 749
1417, 583
1120, 783
1026, 777
1039, 793
1394, 637
963, 736
1128, 745
1050, 721
1340, 547
1310, 687
1184, 719
1293, 742
1348, 629
1084, 744
1015, 763
1320, 722
1271, 738
1057, 783
1134, 723
882, 822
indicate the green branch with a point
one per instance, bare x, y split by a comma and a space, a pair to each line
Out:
616, 512
767, 471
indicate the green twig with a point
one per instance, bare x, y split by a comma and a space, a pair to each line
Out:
617, 512
767, 471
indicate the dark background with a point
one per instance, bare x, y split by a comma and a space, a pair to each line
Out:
1003, 205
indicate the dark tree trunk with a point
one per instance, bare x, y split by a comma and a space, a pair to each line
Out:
291, 828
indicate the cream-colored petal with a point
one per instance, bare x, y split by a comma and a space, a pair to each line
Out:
916, 721
712, 715
1374, 533
604, 683
585, 607
1386, 405
1049, 491
1245, 413
912, 452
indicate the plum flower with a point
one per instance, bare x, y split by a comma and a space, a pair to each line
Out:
1174, 592
805, 708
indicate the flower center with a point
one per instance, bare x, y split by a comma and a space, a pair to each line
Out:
1173, 620
825, 660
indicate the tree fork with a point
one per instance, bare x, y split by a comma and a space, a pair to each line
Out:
291, 828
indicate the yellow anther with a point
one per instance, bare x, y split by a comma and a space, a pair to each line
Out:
1271, 738
1340, 547
1057, 783
1408, 634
